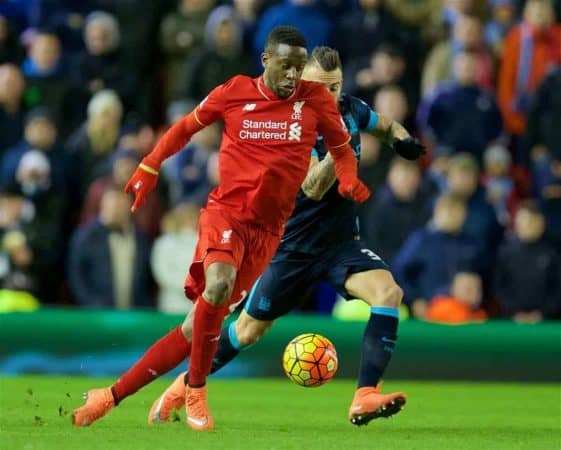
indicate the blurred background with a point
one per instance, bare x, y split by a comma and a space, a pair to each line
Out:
472, 233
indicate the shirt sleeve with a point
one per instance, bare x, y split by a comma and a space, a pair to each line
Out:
211, 107
330, 123
367, 118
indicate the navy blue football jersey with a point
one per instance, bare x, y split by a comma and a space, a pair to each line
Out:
317, 225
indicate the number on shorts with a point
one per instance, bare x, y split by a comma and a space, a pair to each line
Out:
371, 254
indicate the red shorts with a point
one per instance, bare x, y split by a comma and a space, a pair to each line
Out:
251, 248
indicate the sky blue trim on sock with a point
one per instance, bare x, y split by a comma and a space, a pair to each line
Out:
251, 294
233, 336
385, 311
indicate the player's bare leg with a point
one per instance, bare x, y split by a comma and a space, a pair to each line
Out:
242, 333
380, 291
209, 314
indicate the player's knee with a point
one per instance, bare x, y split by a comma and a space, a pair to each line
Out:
248, 336
218, 291
250, 333
390, 296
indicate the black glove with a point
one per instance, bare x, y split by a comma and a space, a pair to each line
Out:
409, 148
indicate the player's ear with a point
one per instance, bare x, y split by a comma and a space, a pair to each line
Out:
265, 59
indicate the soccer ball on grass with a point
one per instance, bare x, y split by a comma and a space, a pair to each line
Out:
310, 360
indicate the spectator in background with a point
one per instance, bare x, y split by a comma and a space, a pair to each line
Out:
461, 304
16, 256
248, 12
528, 271
530, 49
550, 198
467, 34
12, 85
109, 258
306, 15
386, 66
459, 116
189, 171
544, 123
499, 183
171, 256
65, 17
181, 32
46, 79
390, 101
503, 18
36, 178
91, 146
40, 134
101, 66
481, 222
124, 163
372, 22
396, 210
427, 262
221, 58
11, 50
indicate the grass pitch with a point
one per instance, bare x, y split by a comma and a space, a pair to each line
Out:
277, 415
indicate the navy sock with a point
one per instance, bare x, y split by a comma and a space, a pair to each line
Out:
378, 343
228, 348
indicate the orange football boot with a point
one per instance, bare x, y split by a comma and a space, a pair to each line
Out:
98, 403
198, 414
369, 403
172, 399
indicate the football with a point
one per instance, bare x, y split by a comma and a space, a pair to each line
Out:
310, 360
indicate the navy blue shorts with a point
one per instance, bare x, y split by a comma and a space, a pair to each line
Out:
291, 277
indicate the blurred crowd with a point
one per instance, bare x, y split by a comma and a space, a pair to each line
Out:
86, 89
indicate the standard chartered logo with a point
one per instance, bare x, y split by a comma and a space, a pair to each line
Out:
270, 130
294, 132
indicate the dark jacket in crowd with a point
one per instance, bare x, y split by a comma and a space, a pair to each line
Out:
544, 119
426, 264
91, 272
462, 118
528, 278
388, 221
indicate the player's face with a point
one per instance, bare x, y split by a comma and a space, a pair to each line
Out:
332, 80
283, 68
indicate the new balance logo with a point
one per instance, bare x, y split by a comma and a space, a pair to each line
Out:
295, 132
249, 107
297, 110
226, 237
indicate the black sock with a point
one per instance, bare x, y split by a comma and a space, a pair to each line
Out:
378, 343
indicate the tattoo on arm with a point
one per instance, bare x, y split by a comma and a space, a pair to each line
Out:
320, 178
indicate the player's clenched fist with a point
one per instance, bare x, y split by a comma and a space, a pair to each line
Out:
142, 182
354, 190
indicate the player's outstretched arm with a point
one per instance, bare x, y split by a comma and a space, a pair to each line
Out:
395, 135
145, 177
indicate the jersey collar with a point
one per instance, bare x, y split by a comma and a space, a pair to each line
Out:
270, 95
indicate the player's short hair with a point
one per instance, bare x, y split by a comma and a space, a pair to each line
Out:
285, 34
326, 58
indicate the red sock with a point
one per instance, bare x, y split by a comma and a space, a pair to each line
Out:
165, 354
207, 325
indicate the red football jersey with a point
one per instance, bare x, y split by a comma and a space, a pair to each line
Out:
266, 145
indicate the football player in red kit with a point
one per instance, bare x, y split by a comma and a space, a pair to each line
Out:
270, 125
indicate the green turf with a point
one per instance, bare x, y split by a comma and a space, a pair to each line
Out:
275, 414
